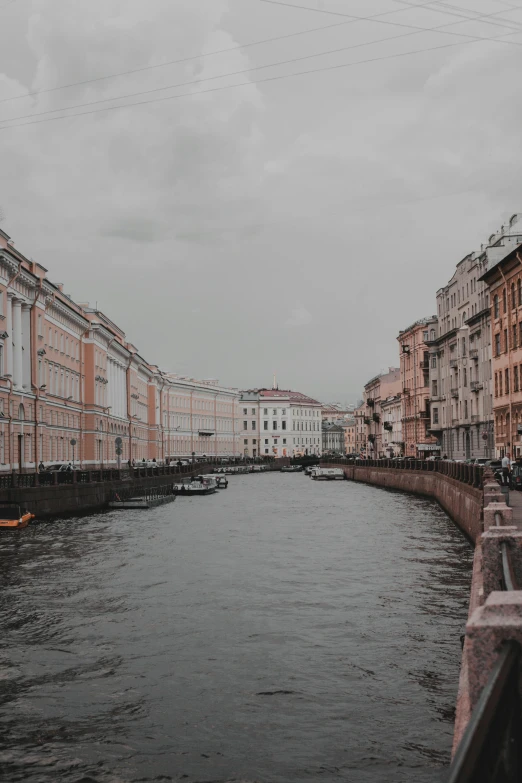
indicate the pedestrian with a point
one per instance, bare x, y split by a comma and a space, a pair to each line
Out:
445, 456
41, 467
506, 470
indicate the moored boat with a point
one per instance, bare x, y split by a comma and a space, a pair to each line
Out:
11, 517
328, 474
196, 487
291, 469
221, 481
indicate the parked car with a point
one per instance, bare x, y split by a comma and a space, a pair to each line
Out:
60, 467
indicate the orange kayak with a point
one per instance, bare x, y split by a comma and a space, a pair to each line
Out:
15, 521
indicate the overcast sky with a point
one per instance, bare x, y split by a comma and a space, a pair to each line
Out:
290, 226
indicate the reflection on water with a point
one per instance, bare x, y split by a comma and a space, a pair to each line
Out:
281, 630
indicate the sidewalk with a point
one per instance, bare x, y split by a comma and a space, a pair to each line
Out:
515, 501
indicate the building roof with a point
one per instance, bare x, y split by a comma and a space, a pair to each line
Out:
287, 394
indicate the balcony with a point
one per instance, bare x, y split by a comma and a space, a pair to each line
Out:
388, 426
425, 364
455, 392
405, 390
454, 362
376, 417
473, 353
476, 386
367, 420
370, 403
371, 438
425, 415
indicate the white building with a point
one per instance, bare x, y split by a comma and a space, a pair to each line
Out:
279, 423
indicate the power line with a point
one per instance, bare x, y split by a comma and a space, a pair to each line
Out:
246, 83
454, 11
378, 20
198, 56
7, 4
415, 31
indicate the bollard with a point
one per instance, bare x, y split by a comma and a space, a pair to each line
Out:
497, 621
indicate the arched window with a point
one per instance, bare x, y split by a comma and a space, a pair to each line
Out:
496, 312
504, 300
21, 413
463, 317
513, 297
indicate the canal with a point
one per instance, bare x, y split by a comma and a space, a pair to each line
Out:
281, 630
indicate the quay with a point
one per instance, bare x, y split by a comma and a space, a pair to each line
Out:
487, 743
80, 491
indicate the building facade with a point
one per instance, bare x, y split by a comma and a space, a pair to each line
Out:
73, 389
392, 438
504, 280
379, 388
460, 364
332, 438
414, 370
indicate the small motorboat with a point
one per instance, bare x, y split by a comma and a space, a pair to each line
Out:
221, 481
196, 487
11, 517
291, 469
328, 474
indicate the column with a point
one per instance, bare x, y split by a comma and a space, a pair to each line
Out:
17, 343
26, 346
8, 365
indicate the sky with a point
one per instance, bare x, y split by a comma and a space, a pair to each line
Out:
289, 187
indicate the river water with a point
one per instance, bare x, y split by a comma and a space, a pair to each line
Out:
281, 630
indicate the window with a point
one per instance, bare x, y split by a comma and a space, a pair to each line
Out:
504, 301
435, 415
513, 296
284, 441
465, 377
245, 442
266, 451
245, 425
425, 336
496, 313
266, 441
253, 411
434, 389
514, 340
274, 411
254, 441
283, 425
40, 333
433, 362
245, 411
465, 409
519, 286
500, 384
253, 425
274, 425
283, 412
496, 384
265, 412
505, 340
515, 378
265, 425
463, 346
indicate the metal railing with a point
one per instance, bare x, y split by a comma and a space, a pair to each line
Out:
490, 750
461, 471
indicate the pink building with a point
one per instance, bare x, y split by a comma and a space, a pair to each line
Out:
73, 388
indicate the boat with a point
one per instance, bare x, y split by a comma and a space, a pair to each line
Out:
221, 481
195, 487
291, 469
310, 468
328, 474
11, 517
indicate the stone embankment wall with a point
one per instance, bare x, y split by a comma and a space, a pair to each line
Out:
79, 497
462, 502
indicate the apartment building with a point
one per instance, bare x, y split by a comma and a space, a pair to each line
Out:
379, 388
414, 370
461, 414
